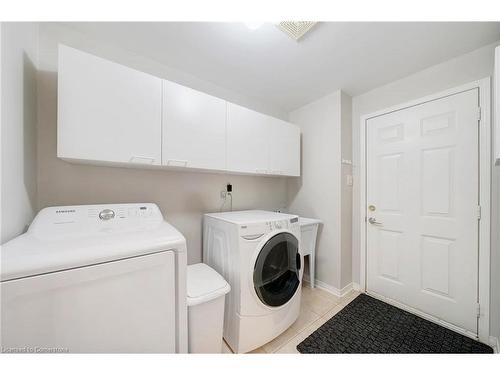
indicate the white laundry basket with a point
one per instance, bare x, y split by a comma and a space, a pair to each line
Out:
206, 291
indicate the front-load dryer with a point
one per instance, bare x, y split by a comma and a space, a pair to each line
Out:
258, 253
95, 279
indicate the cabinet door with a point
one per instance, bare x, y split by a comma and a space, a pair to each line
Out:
107, 112
247, 140
284, 148
194, 128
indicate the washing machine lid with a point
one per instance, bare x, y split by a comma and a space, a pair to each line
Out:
62, 238
204, 284
251, 216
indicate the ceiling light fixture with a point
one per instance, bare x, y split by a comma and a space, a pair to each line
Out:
253, 25
295, 29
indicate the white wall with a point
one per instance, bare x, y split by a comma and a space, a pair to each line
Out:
317, 193
346, 191
182, 196
19, 59
467, 68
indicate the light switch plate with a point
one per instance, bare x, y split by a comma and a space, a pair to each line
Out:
349, 180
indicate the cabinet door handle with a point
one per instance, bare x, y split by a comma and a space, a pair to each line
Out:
261, 171
142, 160
177, 163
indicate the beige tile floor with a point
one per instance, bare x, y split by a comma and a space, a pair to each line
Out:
317, 306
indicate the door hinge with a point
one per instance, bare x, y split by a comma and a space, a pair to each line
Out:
478, 310
479, 114
479, 212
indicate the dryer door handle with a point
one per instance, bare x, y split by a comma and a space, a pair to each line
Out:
297, 257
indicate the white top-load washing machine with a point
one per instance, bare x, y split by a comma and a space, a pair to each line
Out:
257, 252
96, 278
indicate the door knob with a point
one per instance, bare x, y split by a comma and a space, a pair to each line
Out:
373, 221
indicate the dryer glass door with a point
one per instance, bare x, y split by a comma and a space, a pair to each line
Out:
276, 274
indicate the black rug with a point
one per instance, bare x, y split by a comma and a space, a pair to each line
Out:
367, 325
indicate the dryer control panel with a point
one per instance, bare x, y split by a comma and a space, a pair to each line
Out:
93, 219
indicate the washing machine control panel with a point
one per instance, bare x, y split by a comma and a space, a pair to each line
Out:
294, 224
257, 230
278, 225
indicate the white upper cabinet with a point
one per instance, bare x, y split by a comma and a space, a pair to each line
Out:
284, 148
247, 140
111, 114
257, 143
194, 128
107, 113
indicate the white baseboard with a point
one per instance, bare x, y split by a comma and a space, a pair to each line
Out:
331, 289
495, 344
347, 289
356, 286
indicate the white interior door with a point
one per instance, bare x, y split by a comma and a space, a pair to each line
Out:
422, 207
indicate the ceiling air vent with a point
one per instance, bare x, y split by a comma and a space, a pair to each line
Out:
295, 29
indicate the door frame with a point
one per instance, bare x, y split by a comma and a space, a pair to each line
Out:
484, 87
